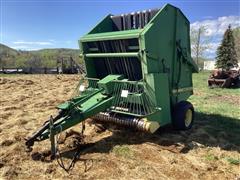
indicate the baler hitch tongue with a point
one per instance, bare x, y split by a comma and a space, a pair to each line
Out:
36, 136
72, 113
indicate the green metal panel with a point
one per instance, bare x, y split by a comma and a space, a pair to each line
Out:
159, 84
97, 55
103, 26
107, 83
172, 29
164, 51
111, 35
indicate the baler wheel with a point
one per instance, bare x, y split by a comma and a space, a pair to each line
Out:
183, 115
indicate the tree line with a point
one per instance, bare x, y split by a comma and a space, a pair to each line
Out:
11, 58
228, 52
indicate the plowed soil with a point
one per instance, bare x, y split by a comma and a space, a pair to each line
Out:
109, 152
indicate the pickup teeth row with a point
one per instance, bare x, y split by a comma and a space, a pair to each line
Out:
127, 121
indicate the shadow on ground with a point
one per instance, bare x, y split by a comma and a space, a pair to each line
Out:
209, 130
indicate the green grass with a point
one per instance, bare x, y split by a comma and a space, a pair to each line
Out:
8, 75
123, 150
230, 160
233, 161
218, 109
214, 101
211, 157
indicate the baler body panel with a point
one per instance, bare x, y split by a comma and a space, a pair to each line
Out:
157, 53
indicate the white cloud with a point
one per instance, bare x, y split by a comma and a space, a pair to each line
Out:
212, 47
68, 42
215, 29
52, 40
39, 43
19, 47
36, 45
24, 48
217, 26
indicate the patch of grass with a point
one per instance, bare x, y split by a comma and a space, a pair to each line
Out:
123, 151
221, 126
224, 102
9, 75
235, 161
211, 157
200, 84
214, 101
217, 109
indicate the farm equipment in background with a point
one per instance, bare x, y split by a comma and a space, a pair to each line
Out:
64, 65
224, 79
67, 65
138, 74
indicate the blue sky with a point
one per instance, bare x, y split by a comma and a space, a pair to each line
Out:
53, 24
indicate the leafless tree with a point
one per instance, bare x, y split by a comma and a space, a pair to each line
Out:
34, 62
199, 42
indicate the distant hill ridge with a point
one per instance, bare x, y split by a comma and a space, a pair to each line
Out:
10, 57
4, 50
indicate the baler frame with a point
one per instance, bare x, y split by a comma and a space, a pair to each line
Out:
142, 76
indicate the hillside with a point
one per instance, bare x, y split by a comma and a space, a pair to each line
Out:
7, 51
41, 58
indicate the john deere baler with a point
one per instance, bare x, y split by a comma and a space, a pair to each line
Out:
138, 74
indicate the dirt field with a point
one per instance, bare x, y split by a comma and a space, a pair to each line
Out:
208, 151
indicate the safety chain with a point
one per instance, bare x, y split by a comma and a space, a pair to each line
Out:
75, 157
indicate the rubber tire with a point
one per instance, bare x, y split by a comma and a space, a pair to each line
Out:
179, 113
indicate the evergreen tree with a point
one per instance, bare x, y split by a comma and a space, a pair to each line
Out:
226, 53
